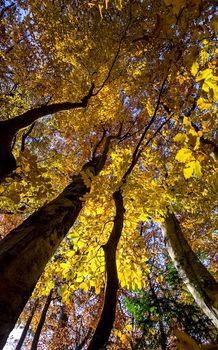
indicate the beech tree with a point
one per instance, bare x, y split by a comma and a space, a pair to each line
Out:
200, 282
100, 100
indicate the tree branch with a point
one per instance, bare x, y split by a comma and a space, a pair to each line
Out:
9, 128
25, 135
137, 152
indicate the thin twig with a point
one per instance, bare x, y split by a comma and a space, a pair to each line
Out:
137, 153
114, 61
98, 144
24, 137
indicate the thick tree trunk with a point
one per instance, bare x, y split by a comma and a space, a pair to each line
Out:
199, 281
107, 317
41, 321
25, 330
25, 251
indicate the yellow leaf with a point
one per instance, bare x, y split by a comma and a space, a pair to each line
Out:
192, 168
100, 210
18, 170
211, 87
197, 169
203, 104
186, 121
143, 217
66, 296
184, 155
180, 137
189, 169
204, 74
194, 68
1, 189
84, 286
123, 338
193, 132
27, 168
197, 144
128, 327
204, 56
97, 289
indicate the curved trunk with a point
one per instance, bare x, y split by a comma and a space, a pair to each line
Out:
25, 251
199, 281
105, 323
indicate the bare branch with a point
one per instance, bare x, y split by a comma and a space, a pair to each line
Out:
114, 61
137, 152
25, 135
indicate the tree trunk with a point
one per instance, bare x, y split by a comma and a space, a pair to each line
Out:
25, 251
41, 321
85, 339
199, 281
107, 317
25, 330
163, 336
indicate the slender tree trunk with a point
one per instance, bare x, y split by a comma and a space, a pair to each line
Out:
41, 321
163, 337
107, 317
25, 330
85, 339
199, 281
25, 251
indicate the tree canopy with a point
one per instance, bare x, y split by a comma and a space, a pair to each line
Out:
108, 138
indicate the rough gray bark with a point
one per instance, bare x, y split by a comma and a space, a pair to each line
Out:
199, 281
105, 323
25, 251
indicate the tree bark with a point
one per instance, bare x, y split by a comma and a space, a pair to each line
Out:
9, 128
107, 317
194, 274
25, 330
25, 251
41, 321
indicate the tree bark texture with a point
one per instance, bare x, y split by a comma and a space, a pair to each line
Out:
41, 321
105, 323
194, 274
25, 251
25, 330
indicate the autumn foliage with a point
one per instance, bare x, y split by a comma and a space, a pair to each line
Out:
108, 173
